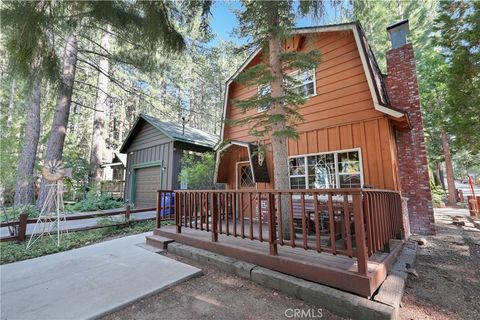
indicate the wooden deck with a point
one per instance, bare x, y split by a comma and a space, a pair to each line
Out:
336, 271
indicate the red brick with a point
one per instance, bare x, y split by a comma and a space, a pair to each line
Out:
402, 87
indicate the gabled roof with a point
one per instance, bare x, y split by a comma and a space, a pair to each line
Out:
375, 78
174, 131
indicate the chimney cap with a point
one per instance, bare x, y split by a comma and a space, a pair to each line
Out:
397, 24
398, 33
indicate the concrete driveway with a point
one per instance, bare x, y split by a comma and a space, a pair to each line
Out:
88, 282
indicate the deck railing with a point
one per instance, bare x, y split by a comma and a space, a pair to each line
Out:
351, 222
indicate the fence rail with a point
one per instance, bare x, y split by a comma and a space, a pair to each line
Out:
23, 221
351, 222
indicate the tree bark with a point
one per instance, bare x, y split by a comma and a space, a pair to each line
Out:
56, 139
11, 104
449, 169
279, 140
24, 189
98, 139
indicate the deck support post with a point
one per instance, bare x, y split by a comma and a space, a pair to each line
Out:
362, 257
272, 234
214, 214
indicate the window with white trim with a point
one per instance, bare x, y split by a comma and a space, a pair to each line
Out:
264, 91
305, 87
340, 169
306, 79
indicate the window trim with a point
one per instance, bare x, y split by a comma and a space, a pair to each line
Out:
291, 74
337, 173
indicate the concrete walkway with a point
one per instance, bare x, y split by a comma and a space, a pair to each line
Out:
73, 224
88, 282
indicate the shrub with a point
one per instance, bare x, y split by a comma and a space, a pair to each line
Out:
95, 202
438, 195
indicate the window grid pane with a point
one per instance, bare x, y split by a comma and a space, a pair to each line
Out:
323, 170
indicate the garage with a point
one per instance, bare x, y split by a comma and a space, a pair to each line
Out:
147, 182
154, 150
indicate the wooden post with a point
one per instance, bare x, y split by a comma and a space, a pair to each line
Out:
22, 227
362, 257
127, 214
178, 211
157, 220
214, 213
272, 234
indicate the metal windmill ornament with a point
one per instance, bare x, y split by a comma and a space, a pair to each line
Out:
53, 211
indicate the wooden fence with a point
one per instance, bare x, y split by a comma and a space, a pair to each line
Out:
351, 222
23, 221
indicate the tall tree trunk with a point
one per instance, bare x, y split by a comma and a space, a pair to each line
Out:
279, 140
98, 140
11, 104
24, 189
449, 169
56, 139
436, 174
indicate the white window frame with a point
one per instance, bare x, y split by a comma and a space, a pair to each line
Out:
337, 172
260, 88
293, 74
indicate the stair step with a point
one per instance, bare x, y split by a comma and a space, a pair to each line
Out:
158, 241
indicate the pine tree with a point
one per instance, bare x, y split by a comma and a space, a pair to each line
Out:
269, 24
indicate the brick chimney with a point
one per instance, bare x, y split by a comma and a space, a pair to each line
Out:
402, 87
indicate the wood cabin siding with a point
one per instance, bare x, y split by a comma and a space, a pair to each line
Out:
150, 147
340, 116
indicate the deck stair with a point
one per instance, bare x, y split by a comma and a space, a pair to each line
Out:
158, 241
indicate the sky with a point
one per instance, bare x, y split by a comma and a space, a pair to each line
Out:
224, 20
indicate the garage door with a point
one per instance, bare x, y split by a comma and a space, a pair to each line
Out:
147, 182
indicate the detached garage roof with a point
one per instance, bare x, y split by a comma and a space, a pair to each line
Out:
174, 131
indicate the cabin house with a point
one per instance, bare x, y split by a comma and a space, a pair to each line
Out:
113, 174
154, 149
358, 171
361, 128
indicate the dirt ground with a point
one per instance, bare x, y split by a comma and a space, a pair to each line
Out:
448, 286
216, 295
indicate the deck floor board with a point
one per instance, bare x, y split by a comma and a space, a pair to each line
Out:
338, 271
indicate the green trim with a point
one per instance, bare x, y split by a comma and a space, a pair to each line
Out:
147, 164
133, 176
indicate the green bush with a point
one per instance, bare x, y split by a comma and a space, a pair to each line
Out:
95, 202
13, 213
438, 195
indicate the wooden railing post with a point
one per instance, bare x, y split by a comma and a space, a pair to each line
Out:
178, 211
214, 214
158, 221
127, 214
22, 227
362, 257
272, 234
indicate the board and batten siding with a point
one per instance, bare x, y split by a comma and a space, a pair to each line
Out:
150, 147
340, 116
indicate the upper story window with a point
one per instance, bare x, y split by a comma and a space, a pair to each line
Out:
264, 91
341, 169
306, 79
306, 87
